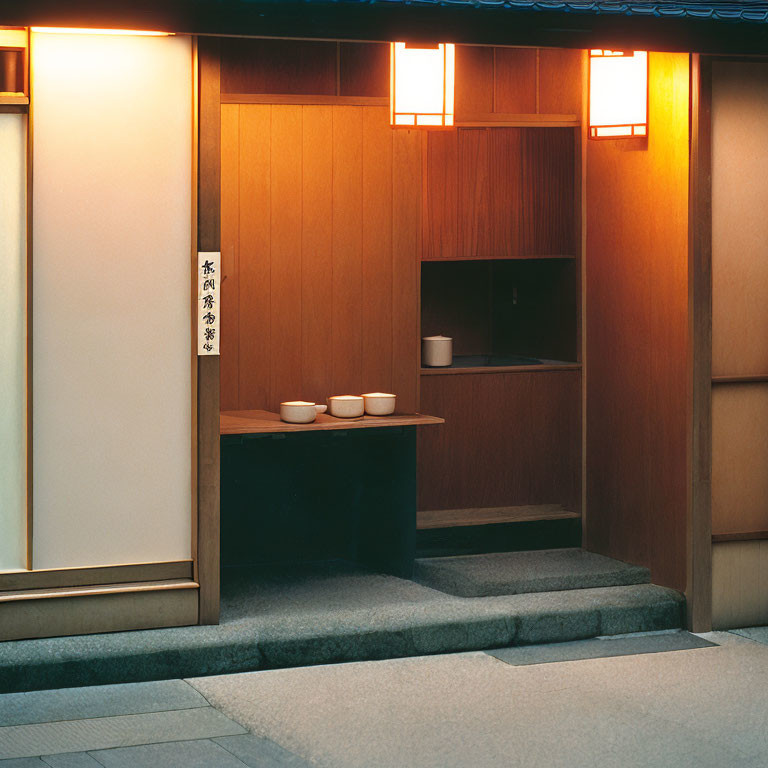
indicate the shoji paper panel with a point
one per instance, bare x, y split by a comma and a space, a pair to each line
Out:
12, 342
111, 367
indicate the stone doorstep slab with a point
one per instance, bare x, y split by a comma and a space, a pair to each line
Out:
512, 573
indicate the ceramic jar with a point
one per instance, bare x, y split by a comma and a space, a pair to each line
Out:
437, 351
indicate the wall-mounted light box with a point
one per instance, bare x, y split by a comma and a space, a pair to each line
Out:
421, 85
618, 94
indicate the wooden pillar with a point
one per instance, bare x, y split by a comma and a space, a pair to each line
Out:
208, 238
699, 581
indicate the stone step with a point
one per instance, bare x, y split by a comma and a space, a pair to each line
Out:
333, 613
513, 573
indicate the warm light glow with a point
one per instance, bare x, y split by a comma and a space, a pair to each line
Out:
618, 94
89, 31
13, 37
421, 85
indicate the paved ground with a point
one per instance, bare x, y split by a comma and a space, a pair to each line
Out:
664, 699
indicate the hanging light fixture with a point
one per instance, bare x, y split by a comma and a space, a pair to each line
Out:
618, 94
421, 85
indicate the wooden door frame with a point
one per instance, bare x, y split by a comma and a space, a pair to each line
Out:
699, 566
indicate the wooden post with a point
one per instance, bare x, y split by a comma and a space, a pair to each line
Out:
208, 238
699, 581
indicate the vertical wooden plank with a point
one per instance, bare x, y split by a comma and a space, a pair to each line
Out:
560, 87
474, 81
377, 251
548, 180
285, 236
441, 204
208, 238
505, 164
230, 245
473, 194
347, 249
316, 253
516, 80
406, 247
255, 259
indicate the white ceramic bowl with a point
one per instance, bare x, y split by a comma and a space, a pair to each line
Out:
298, 412
346, 406
379, 403
321, 408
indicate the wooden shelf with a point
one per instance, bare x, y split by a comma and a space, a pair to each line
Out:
453, 518
448, 370
265, 422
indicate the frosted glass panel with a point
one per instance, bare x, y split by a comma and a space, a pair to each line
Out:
112, 299
12, 342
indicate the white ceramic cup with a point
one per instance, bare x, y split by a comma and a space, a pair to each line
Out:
298, 412
437, 351
346, 406
379, 403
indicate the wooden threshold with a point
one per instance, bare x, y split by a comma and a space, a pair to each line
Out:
265, 422
743, 379
101, 589
453, 518
743, 536
448, 370
95, 575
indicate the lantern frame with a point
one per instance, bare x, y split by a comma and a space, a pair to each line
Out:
634, 130
447, 116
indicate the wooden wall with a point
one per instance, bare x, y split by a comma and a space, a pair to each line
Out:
509, 440
636, 325
739, 584
499, 193
491, 83
320, 243
739, 344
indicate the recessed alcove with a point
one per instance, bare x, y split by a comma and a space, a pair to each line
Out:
503, 312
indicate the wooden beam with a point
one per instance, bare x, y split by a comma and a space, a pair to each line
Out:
93, 575
699, 566
208, 238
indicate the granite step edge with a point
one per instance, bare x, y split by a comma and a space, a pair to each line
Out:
458, 625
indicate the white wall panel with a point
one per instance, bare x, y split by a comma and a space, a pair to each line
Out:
13, 293
111, 308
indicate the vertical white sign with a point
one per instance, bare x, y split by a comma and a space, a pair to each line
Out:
208, 321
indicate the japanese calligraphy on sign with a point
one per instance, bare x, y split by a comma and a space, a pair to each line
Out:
208, 308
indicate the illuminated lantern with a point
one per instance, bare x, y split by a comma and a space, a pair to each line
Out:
421, 84
618, 94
